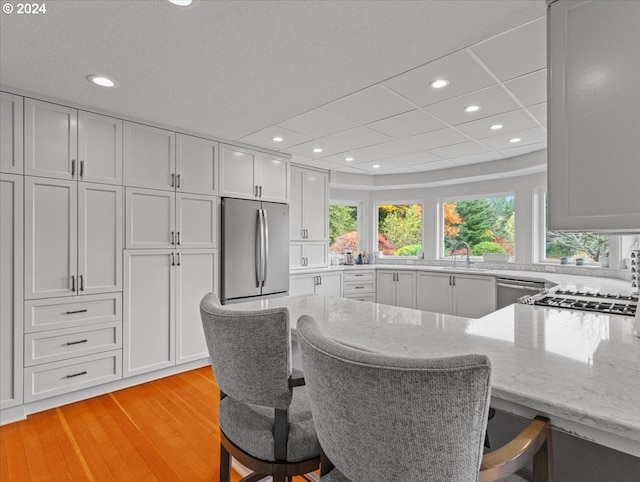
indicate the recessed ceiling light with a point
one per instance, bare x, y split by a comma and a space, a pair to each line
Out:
495, 127
514, 140
317, 150
376, 166
102, 81
348, 159
472, 108
277, 139
439, 84
181, 3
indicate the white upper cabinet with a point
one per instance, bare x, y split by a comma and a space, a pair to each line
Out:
308, 215
594, 126
253, 175
50, 140
197, 221
196, 165
11, 140
149, 157
99, 148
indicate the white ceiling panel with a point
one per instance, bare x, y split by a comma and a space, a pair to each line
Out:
299, 158
322, 164
317, 123
368, 105
356, 138
462, 72
529, 89
407, 124
264, 138
518, 151
459, 150
432, 166
527, 136
439, 138
352, 170
356, 156
306, 149
539, 111
516, 52
493, 100
477, 158
388, 149
398, 170
410, 159
515, 120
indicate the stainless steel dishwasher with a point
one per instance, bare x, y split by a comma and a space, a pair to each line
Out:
510, 289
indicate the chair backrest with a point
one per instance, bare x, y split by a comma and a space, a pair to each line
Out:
390, 418
250, 352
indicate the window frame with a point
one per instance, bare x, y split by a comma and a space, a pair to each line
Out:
376, 227
471, 197
359, 205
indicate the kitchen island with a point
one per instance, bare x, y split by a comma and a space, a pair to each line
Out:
580, 369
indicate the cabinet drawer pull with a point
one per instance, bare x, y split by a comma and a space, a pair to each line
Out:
76, 342
358, 287
76, 374
76, 311
358, 275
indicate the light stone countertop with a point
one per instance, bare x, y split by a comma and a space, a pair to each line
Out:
580, 369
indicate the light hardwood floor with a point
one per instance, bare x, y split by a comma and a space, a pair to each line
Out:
165, 430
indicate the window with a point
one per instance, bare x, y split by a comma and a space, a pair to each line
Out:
486, 224
400, 229
343, 228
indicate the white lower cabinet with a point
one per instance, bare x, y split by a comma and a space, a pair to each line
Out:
308, 255
319, 283
11, 297
471, 296
162, 293
359, 285
397, 288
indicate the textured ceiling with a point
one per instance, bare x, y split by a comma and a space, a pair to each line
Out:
230, 69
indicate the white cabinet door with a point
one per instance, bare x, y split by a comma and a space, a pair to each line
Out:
51, 250
197, 221
316, 254
196, 165
196, 275
150, 218
474, 296
315, 206
300, 285
406, 289
11, 290
272, 177
99, 148
237, 172
594, 71
149, 157
11, 141
330, 284
386, 287
50, 140
296, 259
295, 206
434, 292
148, 338
99, 238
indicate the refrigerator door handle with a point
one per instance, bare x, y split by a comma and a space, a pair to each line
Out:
259, 250
265, 244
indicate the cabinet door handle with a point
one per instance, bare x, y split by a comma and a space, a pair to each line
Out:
73, 168
81, 169
320, 279
255, 191
173, 238
73, 283
454, 280
81, 279
178, 256
178, 180
173, 180
173, 260
75, 342
178, 238
260, 191
76, 311
76, 374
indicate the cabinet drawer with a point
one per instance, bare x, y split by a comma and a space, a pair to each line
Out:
49, 346
56, 378
359, 275
359, 286
370, 297
48, 314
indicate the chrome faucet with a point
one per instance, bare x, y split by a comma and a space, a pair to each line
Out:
454, 253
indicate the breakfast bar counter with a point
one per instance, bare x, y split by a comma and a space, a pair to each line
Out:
580, 369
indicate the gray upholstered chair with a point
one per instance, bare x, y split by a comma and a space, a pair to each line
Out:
265, 417
406, 419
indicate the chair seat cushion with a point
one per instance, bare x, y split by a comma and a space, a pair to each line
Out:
336, 476
250, 427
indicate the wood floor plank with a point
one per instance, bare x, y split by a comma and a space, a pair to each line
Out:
11, 444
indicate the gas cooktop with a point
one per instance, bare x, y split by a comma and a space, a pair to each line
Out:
610, 303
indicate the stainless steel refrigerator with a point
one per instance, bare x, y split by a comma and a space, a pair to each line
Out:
255, 250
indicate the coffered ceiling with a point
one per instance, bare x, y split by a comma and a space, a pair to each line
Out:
351, 78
